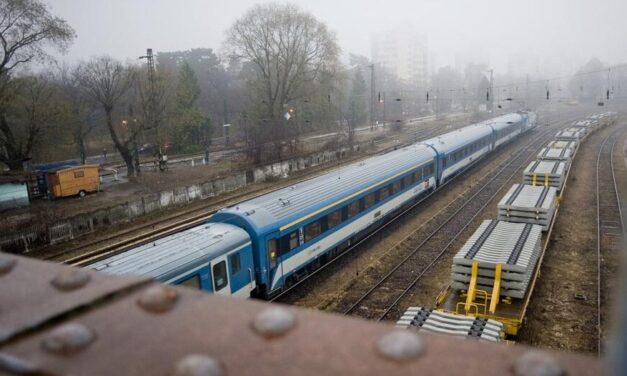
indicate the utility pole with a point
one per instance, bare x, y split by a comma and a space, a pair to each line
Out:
437, 101
372, 91
527, 91
152, 106
491, 102
607, 95
384, 114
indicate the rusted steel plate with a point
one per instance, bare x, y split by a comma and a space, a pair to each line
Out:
34, 292
173, 331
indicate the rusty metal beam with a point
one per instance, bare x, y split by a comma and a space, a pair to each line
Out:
159, 330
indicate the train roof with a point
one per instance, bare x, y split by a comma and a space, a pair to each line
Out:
504, 121
454, 140
292, 203
165, 258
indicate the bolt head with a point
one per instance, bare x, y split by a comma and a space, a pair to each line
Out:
537, 363
71, 279
6, 264
68, 339
199, 365
401, 345
158, 299
274, 322
16, 366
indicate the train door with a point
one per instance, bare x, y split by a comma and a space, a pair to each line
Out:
220, 273
272, 251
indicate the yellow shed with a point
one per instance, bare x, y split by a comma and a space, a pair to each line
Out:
77, 180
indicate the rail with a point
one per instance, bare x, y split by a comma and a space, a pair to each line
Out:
609, 220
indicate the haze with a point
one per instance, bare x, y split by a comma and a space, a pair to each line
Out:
558, 36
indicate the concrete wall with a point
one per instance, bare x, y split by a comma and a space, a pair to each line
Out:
24, 240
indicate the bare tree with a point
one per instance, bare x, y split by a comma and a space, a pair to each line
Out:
80, 109
289, 48
26, 29
30, 110
107, 81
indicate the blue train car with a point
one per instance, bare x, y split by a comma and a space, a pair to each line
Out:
213, 257
508, 127
458, 149
295, 229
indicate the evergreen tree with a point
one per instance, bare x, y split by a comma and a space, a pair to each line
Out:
189, 120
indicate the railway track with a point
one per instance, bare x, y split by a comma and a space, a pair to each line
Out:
426, 245
92, 251
610, 230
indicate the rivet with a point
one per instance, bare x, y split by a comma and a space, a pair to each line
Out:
158, 299
274, 322
68, 339
6, 264
16, 366
199, 365
537, 363
401, 345
71, 279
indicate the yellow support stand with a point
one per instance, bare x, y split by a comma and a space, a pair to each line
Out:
546, 180
496, 291
473, 285
534, 178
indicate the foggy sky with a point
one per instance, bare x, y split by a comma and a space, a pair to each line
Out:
564, 33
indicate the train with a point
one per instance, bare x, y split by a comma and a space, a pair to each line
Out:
264, 245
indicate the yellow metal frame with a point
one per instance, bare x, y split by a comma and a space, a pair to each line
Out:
496, 290
470, 298
534, 178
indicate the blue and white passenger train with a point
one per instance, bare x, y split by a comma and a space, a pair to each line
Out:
265, 244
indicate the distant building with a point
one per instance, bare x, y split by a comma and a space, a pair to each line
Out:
402, 52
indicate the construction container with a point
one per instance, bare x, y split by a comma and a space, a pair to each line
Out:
71, 181
13, 190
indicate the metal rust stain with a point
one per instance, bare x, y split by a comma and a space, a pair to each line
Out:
34, 292
221, 335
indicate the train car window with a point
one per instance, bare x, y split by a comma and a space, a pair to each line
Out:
353, 208
369, 200
193, 282
334, 218
272, 252
384, 193
235, 263
418, 175
293, 240
220, 278
79, 174
428, 170
312, 230
407, 180
396, 187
